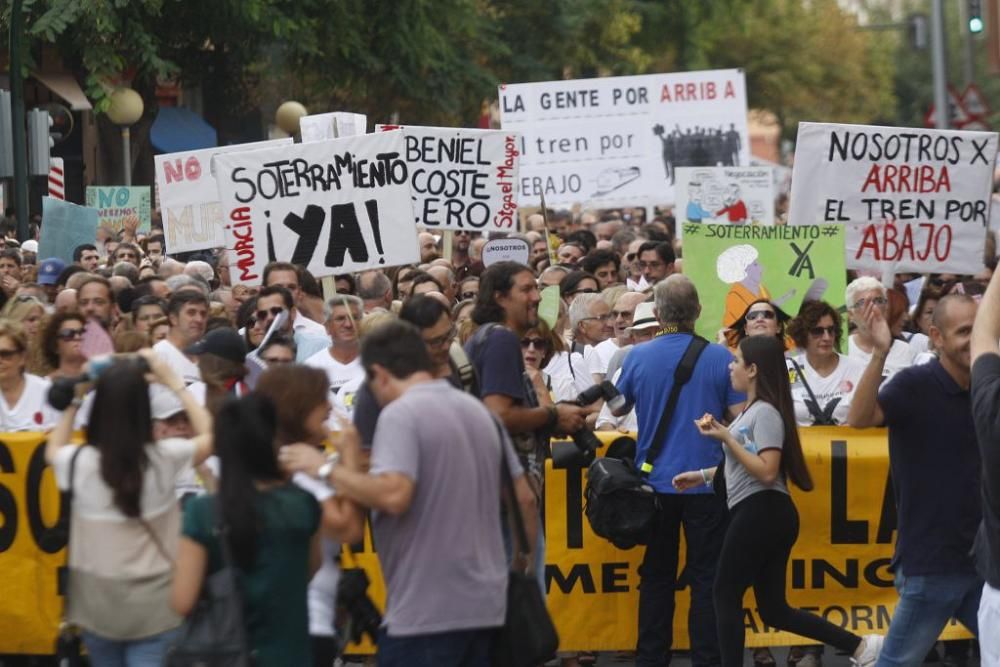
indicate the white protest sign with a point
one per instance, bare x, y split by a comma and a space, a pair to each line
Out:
324, 126
929, 182
944, 247
739, 195
188, 196
331, 206
621, 139
505, 250
462, 179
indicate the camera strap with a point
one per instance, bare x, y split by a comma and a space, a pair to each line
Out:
683, 373
811, 404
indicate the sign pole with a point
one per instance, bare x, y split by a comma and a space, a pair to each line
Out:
942, 119
329, 283
19, 139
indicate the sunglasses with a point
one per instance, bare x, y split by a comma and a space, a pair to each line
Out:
468, 295
537, 343
7, 355
273, 311
630, 257
70, 334
818, 332
757, 314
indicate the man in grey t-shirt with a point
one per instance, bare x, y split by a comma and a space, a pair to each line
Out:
435, 486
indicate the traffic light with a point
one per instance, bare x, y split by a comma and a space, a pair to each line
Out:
975, 16
40, 142
6, 137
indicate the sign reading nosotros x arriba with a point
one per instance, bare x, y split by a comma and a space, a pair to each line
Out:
913, 200
331, 206
462, 179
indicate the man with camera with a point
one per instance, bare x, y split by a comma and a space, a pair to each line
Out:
443, 559
647, 377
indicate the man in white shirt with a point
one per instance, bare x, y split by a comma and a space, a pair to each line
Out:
341, 361
590, 322
284, 274
274, 300
860, 344
188, 313
621, 317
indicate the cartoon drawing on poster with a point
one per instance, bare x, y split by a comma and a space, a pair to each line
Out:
737, 195
120, 206
188, 196
622, 139
332, 207
462, 179
733, 265
911, 190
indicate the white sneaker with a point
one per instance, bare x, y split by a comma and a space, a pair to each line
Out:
869, 651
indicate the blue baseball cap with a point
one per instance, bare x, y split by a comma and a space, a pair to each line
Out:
49, 270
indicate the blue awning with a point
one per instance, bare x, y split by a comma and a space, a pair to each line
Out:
178, 129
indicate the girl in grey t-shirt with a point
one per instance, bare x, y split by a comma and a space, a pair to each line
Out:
762, 452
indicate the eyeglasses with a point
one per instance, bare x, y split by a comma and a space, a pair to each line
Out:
536, 343
70, 334
650, 265
273, 311
626, 314
819, 332
630, 257
438, 341
468, 295
270, 361
877, 300
757, 314
602, 318
586, 290
7, 355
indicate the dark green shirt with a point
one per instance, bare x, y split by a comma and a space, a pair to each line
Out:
274, 591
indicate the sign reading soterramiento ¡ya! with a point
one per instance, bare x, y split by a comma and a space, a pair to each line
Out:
620, 139
332, 206
461, 178
189, 197
926, 183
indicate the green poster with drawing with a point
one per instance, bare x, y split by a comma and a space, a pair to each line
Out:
734, 265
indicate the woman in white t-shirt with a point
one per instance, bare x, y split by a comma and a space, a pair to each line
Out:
823, 379
125, 518
23, 396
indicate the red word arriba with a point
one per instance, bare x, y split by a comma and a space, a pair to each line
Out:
887, 242
923, 178
695, 92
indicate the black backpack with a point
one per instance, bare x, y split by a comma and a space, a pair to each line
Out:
620, 503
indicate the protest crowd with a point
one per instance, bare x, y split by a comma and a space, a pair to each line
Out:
254, 427
375, 351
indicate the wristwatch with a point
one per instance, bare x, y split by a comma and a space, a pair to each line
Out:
324, 470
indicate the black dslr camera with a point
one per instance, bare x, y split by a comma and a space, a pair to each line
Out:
584, 443
63, 390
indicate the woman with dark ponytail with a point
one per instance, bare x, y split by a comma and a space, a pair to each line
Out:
762, 454
125, 518
272, 527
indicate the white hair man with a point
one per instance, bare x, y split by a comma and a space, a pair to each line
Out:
860, 345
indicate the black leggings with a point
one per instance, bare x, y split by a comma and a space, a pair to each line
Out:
762, 529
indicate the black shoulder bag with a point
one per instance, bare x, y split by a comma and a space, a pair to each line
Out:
214, 634
528, 637
68, 640
620, 503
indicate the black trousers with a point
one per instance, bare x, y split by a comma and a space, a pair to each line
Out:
762, 529
703, 517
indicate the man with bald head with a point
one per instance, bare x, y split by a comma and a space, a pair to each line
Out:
935, 464
428, 247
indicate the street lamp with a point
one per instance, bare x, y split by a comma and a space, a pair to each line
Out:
287, 117
125, 110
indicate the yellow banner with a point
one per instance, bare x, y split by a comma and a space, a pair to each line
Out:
838, 568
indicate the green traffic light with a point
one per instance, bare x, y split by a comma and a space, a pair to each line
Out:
975, 24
